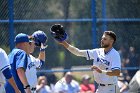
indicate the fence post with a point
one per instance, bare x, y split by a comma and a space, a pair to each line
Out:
94, 33
11, 24
104, 26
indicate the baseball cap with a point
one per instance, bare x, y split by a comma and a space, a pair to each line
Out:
21, 37
86, 77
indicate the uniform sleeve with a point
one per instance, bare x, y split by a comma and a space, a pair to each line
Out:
116, 62
7, 73
22, 60
91, 54
4, 62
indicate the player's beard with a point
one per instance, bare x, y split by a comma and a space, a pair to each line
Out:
104, 45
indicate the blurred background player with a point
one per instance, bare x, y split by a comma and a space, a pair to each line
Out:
134, 84
18, 60
85, 86
6, 73
67, 84
123, 84
42, 86
106, 63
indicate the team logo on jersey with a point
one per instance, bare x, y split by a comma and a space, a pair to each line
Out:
31, 65
103, 61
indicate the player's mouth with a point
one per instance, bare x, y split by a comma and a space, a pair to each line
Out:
102, 44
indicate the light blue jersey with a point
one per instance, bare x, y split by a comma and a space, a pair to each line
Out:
105, 61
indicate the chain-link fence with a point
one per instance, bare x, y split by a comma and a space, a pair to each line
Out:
80, 19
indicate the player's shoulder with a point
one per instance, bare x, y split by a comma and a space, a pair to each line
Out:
1, 50
96, 49
114, 51
18, 51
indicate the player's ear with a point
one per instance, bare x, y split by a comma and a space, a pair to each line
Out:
112, 41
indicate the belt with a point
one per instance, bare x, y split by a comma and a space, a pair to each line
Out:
33, 89
105, 84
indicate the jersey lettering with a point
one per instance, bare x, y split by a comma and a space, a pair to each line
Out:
32, 64
103, 61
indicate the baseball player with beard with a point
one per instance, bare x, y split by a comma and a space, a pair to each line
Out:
106, 60
5, 72
40, 39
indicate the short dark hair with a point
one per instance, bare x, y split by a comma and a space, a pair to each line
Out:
111, 34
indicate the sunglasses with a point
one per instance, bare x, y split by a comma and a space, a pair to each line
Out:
31, 39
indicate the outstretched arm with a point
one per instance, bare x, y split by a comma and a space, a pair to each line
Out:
59, 34
73, 49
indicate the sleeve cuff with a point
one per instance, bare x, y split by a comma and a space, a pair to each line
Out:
114, 68
7, 73
88, 57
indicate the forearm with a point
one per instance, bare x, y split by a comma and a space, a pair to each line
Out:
109, 73
113, 73
42, 55
65, 44
12, 82
74, 50
22, 76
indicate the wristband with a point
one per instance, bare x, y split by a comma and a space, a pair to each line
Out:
42, 49
104, 72
26, 86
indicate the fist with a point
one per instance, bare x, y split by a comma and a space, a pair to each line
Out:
96, 68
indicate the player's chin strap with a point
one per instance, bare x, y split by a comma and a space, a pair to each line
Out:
43, 47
